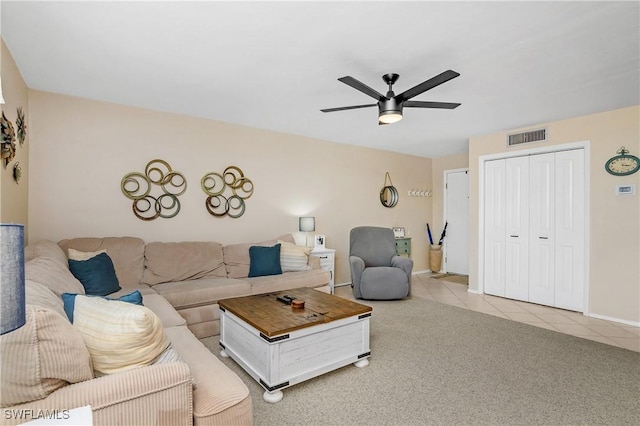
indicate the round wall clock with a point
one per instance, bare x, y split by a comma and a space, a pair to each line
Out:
622, 164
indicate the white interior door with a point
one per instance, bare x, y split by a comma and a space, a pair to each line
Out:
494, 227
517, 228
457, 216
541, 228
569, 226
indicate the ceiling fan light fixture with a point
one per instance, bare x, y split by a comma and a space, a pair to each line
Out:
389, 117
389, 110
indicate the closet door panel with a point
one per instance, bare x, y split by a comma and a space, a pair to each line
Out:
569, 230
541, 228
494, 225
517, 228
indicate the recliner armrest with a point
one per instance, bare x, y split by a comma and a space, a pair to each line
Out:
404, 263
356, 264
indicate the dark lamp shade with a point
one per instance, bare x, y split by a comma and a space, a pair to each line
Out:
12, 300
307, 224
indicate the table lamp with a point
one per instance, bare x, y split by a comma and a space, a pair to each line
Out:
306, 224
12, 296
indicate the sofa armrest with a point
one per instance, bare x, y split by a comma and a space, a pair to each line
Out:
314, 262
158, 394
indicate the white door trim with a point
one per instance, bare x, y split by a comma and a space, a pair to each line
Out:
444, 207
587, 212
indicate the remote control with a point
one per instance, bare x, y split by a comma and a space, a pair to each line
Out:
285, 299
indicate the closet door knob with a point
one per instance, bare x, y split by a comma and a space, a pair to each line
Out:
513, 236
544, 238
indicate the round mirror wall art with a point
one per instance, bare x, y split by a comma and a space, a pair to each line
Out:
388, 193
138, 186
226, 192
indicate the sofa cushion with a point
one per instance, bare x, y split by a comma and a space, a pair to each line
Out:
217, 388
165, 262
43, 355
73, 254
264, 261
69, 301
40, 295
268, 284
205, 291
163, 309
236, 256
294, 258
45, 248
126, 253
53, 275
97, 274
119, 335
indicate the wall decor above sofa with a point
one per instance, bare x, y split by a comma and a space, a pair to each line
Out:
138, 187
8, 138
226, 192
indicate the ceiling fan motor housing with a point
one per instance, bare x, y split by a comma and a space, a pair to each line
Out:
388, 106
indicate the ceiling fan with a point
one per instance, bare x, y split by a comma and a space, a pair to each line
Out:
390, 106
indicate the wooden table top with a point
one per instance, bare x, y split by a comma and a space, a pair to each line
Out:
272, 317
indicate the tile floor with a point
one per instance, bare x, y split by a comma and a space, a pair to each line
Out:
574, 323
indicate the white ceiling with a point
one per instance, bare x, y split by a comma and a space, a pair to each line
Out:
274, 65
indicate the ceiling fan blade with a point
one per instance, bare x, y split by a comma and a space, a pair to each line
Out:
350, 81
423, 104
427, 85
348, 107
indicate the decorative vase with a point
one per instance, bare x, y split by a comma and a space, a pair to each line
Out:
435, 258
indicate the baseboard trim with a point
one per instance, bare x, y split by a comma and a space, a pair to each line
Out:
612, 319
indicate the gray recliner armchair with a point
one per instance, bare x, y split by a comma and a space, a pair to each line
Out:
377, 273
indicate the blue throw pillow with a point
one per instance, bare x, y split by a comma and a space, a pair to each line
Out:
264, 261
97, 275
69, 300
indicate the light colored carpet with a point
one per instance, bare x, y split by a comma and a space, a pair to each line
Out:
452, 278
438, 364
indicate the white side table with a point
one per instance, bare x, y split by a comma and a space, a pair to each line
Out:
328, 263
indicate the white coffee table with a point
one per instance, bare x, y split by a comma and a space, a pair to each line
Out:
280, 346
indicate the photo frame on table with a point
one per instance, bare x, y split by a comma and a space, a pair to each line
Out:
398, 231
318, 242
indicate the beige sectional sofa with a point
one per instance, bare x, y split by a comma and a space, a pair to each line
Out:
46, 366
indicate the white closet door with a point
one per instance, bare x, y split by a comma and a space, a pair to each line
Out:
541, 228
569, 230
517, 228
494, 227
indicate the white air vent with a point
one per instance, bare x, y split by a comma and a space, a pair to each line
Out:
538, 135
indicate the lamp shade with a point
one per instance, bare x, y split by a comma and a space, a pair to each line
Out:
12, 299
307, 224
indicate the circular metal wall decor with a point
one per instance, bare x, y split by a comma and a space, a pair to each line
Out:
137, 186
226, 192
388, 193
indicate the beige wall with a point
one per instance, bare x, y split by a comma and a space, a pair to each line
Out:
614, 256
13, 196
81, 149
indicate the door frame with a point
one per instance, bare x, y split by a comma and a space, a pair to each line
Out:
585, 145
444, 210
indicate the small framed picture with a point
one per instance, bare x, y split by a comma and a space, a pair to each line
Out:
398, 231
318, 242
